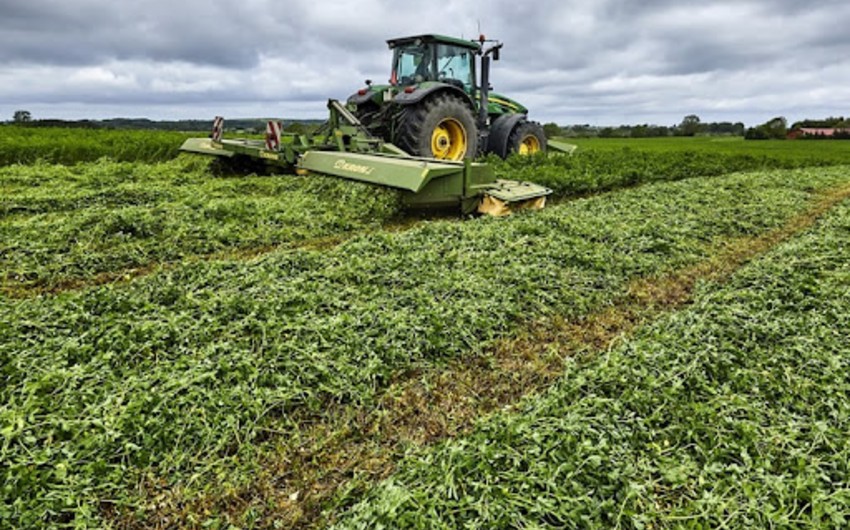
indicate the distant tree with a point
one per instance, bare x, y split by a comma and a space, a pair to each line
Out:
582, 130
552, 130
295, 127
639, 131
774, 129
22, 116
777, 128
658, 131
756, 133
828, 123
690, 125
606, 132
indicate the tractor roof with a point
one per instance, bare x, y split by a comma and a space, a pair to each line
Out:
442, 39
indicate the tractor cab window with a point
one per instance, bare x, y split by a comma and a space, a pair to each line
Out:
454, 65
416, 63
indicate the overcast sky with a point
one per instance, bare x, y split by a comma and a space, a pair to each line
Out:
602, 62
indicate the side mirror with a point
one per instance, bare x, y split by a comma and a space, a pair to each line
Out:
496, 54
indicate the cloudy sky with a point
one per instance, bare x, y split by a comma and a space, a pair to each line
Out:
602, 62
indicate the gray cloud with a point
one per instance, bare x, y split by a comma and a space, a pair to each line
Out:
607, 61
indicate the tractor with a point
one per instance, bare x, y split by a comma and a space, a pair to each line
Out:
418, 134
434, 105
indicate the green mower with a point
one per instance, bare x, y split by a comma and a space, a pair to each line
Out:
419, 133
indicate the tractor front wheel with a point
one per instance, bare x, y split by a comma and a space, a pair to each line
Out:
439, 127
527, 138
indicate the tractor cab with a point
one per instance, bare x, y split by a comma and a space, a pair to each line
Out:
433, 58
417, 133
439, 102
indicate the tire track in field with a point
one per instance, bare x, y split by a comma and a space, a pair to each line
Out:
315, 473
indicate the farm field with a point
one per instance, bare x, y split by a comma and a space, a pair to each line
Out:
731, 413
26, 145
180, 349
831, 150
99, 221
604, 164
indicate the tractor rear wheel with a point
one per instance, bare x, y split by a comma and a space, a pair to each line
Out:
439, 127
527, 138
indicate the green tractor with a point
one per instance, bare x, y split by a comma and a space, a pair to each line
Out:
434, 105
417, 134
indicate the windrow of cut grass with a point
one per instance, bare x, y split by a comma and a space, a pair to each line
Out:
64, 225
733, 413
59, 145
181, 379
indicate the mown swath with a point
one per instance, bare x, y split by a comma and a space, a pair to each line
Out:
181, 380
732, 413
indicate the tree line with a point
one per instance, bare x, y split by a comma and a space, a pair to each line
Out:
253, 125
691, 125
777, 129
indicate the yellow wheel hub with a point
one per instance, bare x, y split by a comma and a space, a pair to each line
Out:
529, 145
448, 141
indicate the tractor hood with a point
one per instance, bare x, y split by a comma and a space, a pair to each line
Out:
499, 104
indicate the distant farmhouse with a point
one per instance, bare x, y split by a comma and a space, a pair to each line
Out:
818, 132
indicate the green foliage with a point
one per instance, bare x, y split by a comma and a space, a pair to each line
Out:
756, 133
65, 224
647, 130
22, 116
180, 376
785, 154
25, 145
552, 130
690, 125
594, 171
601, 165
61, 224
831, 122
775, 129
731, 414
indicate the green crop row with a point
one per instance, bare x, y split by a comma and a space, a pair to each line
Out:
61, 224
182, 374
26, 145
832, 150
66, 224
734, 413
596, 168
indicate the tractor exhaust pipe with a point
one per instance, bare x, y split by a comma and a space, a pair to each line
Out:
485, 93
484, 103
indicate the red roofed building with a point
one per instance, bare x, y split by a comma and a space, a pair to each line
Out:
825, 132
